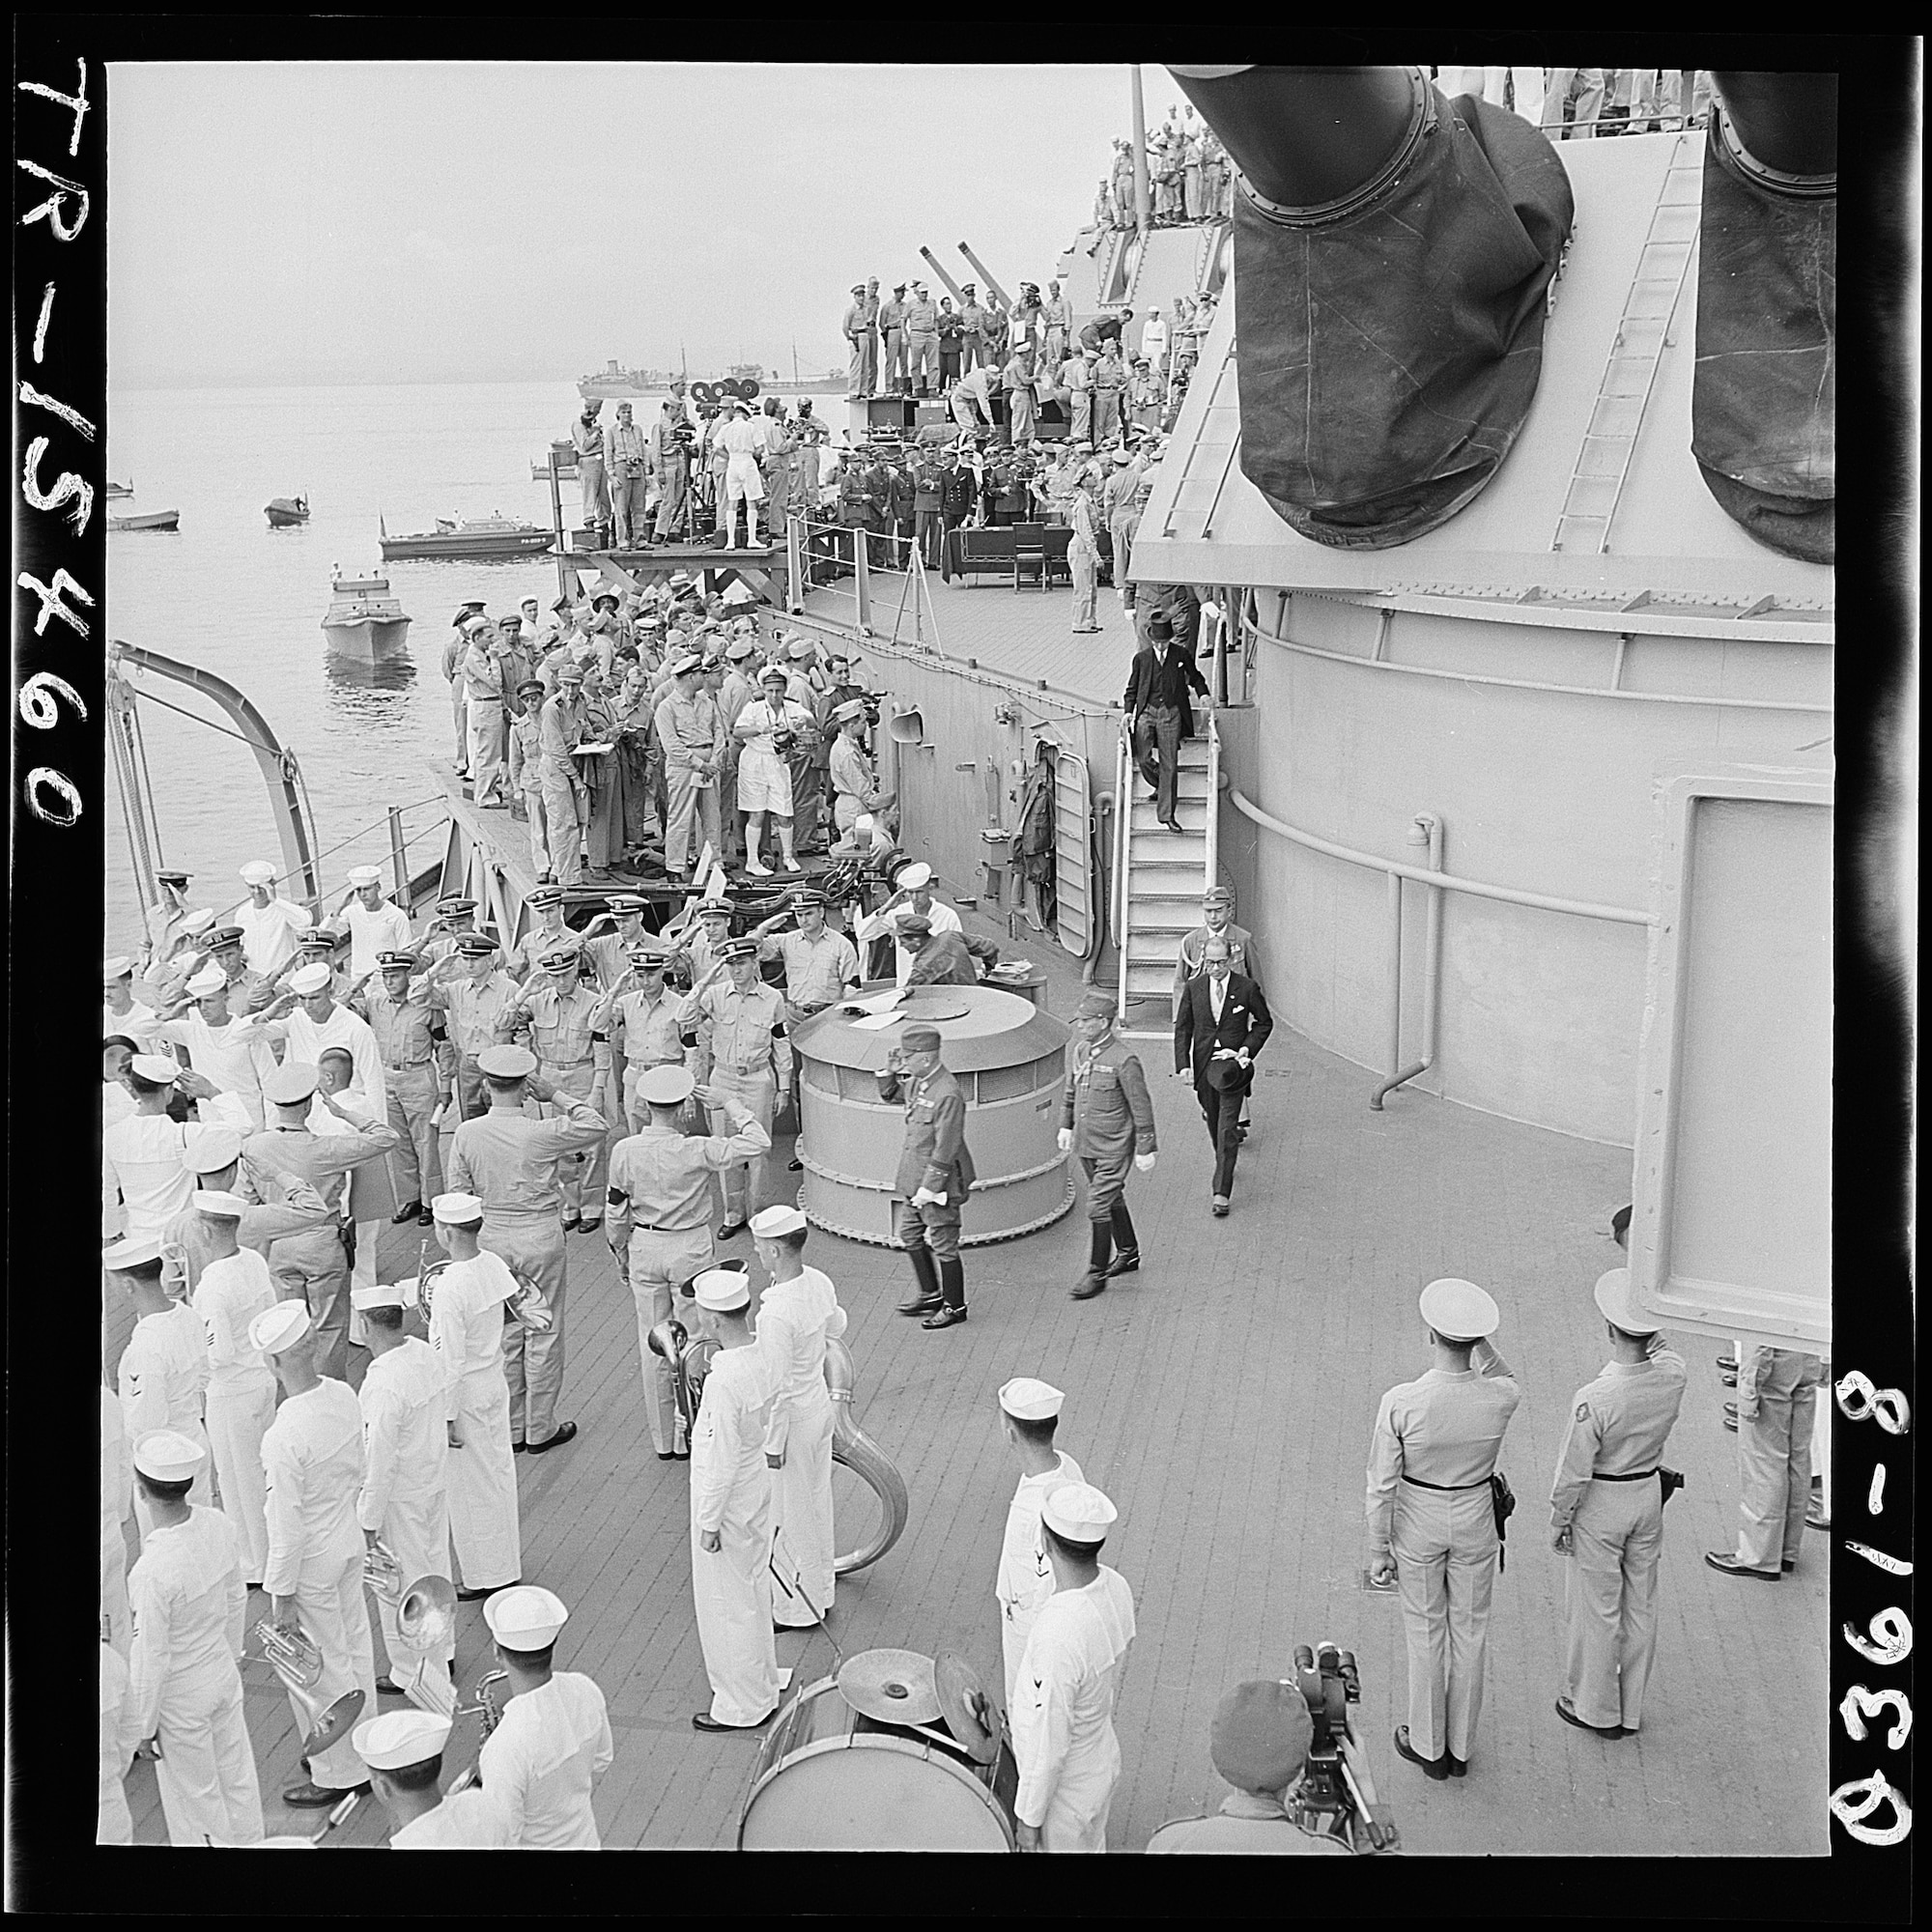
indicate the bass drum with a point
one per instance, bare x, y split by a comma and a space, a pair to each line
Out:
828, 1779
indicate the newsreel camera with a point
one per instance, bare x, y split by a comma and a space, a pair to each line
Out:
1329, 1802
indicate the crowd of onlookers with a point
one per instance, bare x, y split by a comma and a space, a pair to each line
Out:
1582, 102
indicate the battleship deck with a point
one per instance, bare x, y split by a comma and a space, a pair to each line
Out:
1224, 1397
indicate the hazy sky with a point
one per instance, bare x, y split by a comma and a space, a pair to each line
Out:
340, 222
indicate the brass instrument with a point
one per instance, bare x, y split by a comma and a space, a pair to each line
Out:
425, 1621
690, 1358
295, 1658
383, 1574
853, 1447
490, 1706
527, 1304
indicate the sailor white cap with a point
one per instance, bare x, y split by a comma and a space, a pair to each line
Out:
398, 1739
154, 1066
382, 1294
199, 920
769, 1222
212, 1150
1459, 1309
917, 873
1079, 1512
219, 1203
133, 1252
364, 875
1618, 1306
527, 1617
722, 1289
1029, 1400
116, 968
457, 1210
258, 872
210, 980
279, 1327
292, 1082
168, 1455
310, 978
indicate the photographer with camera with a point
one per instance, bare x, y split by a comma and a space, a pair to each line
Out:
670, 441
1302, 1785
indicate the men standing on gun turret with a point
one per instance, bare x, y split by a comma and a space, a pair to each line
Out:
1433, 1522
1607, 1514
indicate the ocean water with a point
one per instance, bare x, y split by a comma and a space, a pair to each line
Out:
231, 595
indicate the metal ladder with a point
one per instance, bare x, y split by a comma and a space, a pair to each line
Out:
1161, 875
1603, 460
1210, 455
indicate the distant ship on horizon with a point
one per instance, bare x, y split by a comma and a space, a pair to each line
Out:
616, 385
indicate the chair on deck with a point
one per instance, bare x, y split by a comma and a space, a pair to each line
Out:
1029, 551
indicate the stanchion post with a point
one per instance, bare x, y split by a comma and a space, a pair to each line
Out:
861, 580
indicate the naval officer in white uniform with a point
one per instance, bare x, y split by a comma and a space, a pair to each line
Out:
732, 1512
1028, 1418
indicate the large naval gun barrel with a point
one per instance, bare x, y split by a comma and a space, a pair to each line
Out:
1395, 259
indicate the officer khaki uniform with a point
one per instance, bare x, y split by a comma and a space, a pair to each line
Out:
405, 1403
313, 1457
466, 1329
742, 1043
796, 1319
472, 1009
559, 1023
1777, 1395
661, 1198
510, 1162
731, 1494
1433, 1450
189, 1600
1063, 1715
1607, 1494
241, 1388
542, 1761
403, 1036
560, 727
645, 1032
527, 778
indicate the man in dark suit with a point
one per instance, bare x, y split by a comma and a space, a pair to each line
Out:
1223, 1023
934, 1176
1157, 704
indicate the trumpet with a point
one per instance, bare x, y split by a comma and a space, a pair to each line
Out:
295, 1658
383, 1574
490, 1706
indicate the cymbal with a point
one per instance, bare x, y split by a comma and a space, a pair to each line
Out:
895, 1687
961, 1700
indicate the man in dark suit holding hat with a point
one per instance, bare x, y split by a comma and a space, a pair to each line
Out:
1222, 1025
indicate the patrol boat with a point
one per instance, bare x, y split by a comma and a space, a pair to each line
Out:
364, 620
468, 540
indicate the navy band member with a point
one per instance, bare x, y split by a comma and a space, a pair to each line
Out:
404, 1753
1607, 1514
935, 1175
1107, 1118
1431, 1521
1069, 1681
1029, 1419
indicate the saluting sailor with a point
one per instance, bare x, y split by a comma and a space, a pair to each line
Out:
731, 1513
510, 1159
543, 1760
404, 1500
1063, 1715
1431, 1519
1029, 1418
404, 1753
1107, 1118
312, 1455
661, 1208
798, 1314
1607, 1514
740, 1026
466, 1329
213, 1159
190, 1598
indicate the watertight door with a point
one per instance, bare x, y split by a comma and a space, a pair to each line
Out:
1075, 885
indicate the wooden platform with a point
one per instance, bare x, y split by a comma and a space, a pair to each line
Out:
762, 571
1223, 1396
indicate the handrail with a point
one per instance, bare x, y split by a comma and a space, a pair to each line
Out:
1478, 887
1123, 820
1212, 869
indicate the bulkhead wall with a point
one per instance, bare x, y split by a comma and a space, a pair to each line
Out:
1543, 777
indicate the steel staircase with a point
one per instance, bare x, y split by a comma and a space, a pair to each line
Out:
1159, 878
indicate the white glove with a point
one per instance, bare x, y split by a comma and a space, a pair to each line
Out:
1144, 1163
926, 1198
1066, 1140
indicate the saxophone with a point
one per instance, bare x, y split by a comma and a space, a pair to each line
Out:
490, 1703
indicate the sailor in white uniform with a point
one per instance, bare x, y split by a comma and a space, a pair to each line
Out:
1063, 1717
270, 925
405, 1403
190, 1601
732, 1512
1028, 1417
542, 1762
117, 1498
798, 1314
404, 1753
236, 1287
116, 1822
313, 1457
163, 1372
465, 1329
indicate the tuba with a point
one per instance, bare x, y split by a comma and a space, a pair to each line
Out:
295, 1658
690, 1358
853, 1447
